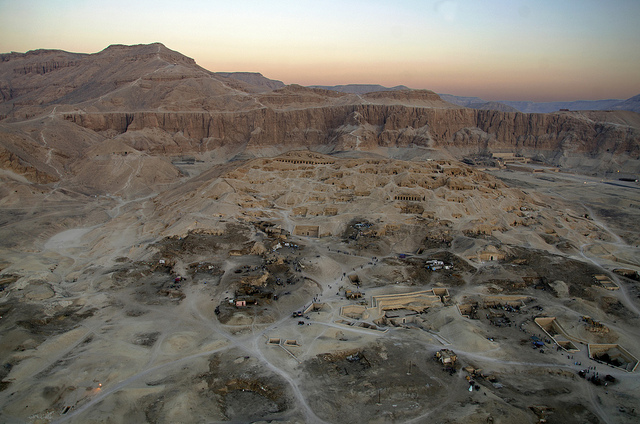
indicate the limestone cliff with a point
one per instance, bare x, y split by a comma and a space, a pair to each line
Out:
10, 161
382, 125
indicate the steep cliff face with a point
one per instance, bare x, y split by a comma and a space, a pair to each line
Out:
44, 67
12, 162
382, 125
557, 132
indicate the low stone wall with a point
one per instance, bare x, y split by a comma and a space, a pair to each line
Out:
353, 311
513, 301
554, 330
314, 307
629, 362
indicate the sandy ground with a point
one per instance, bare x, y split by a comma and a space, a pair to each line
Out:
95, 328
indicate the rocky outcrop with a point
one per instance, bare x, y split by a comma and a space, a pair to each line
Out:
12, 162
44, 67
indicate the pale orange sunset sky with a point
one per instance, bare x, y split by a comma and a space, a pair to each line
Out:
495, 49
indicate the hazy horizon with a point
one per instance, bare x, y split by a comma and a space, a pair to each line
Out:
497, 50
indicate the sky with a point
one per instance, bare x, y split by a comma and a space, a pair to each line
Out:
543, 50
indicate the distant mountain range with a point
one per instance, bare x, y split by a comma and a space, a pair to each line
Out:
253, 78
632, 104
359, 88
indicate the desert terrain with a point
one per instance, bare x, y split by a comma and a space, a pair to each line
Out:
180, 245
